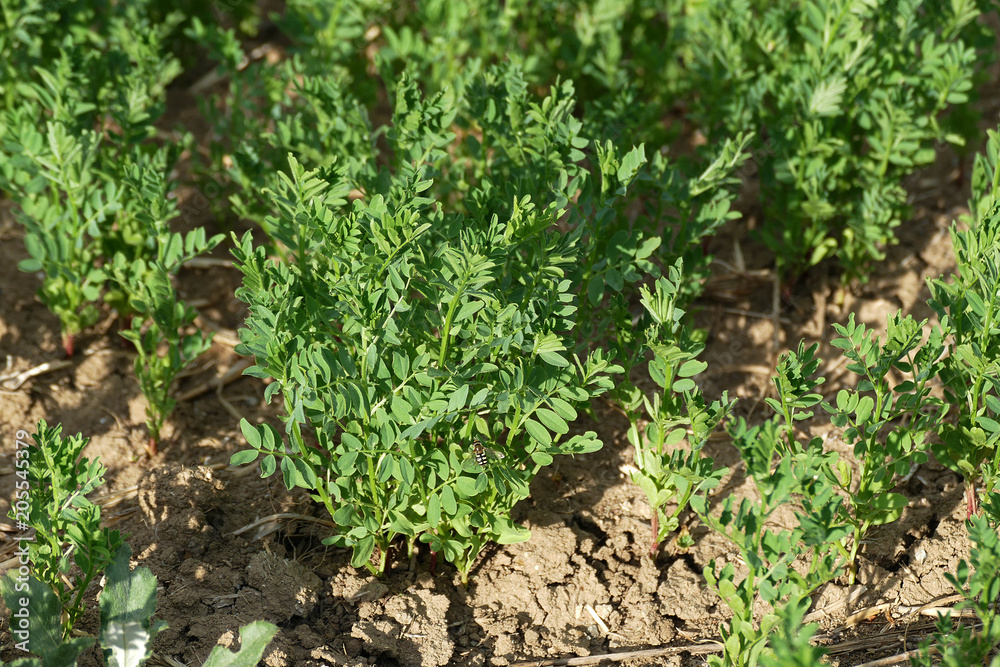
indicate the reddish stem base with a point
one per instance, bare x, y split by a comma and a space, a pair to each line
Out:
654, 544
971, 501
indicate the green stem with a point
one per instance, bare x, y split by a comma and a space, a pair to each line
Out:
372, 484
321, 489
853, 569
446, 334
76, 609
383, 557
517, 426
977, 389
884, 164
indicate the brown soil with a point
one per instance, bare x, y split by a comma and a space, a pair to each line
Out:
581, 586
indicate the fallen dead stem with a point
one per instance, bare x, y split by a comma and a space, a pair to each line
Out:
753, 314
220, 334
228, 338
164, 660
271, 523
897, 659
887, 638
229, 407
693, 649
11, 381
854, 593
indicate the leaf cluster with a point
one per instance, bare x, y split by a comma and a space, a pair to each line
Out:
142, 275
887, 425
91, 187
457, 208
67, 524
968, 306
889, 421
609, 49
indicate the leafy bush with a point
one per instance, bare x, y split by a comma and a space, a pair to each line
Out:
398, 332
831, 172
455, 233
611, 51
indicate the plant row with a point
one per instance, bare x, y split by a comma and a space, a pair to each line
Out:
799, 97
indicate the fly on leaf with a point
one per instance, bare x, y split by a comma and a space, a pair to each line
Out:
484, 454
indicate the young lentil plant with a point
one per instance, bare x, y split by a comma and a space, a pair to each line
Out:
68, 553
969, 308
70, 550
668, 472
977, 581
783, 476
887, 425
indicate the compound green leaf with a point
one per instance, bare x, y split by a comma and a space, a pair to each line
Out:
362, 551
865, 407
691, 368
890, 506
541, 458
685, 384
458, 398
448, 502
267, 466
563, 408
553, 359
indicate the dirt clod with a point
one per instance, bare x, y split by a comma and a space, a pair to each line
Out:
287, 588
410, 627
